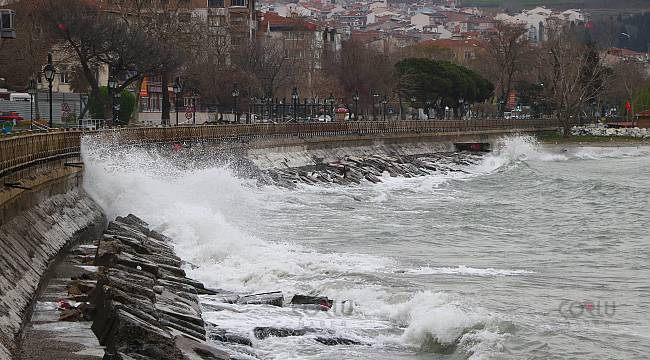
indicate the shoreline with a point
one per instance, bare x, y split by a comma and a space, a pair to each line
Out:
595, 141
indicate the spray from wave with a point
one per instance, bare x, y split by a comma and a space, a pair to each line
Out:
213, 217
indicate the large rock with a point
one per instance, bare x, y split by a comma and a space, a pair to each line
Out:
145, 306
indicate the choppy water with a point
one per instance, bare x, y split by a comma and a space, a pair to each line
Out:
537, 253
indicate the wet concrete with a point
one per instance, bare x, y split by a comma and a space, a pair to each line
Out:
46, 336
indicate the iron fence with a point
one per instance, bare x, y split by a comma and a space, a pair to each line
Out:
24, 149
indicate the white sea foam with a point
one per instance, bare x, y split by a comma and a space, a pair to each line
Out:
597, 153
465, 270
208, 212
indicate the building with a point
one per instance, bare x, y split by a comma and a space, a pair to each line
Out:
461, 51
536, 20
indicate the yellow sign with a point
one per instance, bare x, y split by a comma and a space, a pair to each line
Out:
143, 88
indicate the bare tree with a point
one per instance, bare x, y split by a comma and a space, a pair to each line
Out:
171, 25
267, 59
572, 73
94, 38
504, 57
22, 58
626, 80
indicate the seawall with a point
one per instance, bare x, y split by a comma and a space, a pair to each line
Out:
313, 152
46, 214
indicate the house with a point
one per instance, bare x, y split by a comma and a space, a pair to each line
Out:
536, 20
462, 51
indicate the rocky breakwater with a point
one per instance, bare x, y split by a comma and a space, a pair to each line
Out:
145, 306
356, 169
639, 133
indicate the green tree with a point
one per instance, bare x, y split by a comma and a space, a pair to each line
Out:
441, 83
97, 104
641, 100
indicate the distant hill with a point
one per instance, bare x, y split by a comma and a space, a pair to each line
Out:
560, 4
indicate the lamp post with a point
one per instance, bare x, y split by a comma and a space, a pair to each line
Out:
384, 101
374, 114
294, 97
49, 72
193, 108
355, 97
177, 90
235, 95
112, 85
31, 89
330, 101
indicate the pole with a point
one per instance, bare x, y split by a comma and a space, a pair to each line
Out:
113, 107
356, 110
234, 111
176, 107
50, 93
193, 109
31, 112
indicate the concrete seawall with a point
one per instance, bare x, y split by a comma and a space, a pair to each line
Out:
271, 155
38, 223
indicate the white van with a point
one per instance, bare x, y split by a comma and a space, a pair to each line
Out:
19, 97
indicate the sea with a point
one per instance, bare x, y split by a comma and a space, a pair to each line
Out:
535, 252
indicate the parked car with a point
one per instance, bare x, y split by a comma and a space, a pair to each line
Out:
10, 116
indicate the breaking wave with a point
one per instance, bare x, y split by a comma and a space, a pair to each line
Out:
217, 221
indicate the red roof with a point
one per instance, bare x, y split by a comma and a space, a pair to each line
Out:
275, 20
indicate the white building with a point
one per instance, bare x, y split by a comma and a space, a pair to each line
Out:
536, 20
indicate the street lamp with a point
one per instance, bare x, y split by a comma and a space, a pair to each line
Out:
294, 97
193, 108
355, 97
330, 101
374, 97
49, 72
384, 101
112, 85
177, 90
235, 95
31, 89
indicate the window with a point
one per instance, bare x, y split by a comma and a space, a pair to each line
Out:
215, 3
238, 3
295, 35
237, 20
216, 20
64, 75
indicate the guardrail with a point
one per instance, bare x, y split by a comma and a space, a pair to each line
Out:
24, 150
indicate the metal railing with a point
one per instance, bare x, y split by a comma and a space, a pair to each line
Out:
23, 150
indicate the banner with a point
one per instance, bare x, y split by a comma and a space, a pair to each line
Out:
143, 88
